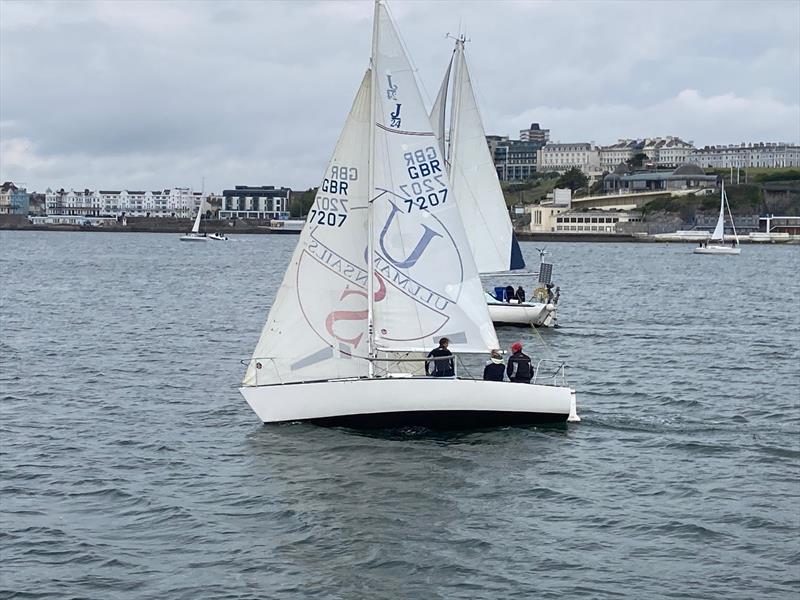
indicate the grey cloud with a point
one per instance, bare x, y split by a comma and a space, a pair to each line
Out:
162, 93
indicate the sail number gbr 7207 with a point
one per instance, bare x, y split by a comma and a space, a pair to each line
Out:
330, 210
426, 189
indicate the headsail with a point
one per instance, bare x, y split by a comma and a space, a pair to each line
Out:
426, 282
473, 176
318, 321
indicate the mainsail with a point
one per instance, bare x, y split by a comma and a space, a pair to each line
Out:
472, 173
427, 284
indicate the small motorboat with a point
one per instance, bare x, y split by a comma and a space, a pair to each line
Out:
218, 237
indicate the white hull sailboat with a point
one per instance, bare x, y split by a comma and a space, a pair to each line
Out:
382, 270
538, 314
435, 402
474, 181
719, 248
194, 235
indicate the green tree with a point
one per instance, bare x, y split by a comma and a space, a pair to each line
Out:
301, 203
573, 179
637, 160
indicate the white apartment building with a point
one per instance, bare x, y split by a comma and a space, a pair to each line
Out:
747, 155
670, 151
174, 202
563, 157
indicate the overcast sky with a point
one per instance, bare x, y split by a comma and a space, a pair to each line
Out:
156, 94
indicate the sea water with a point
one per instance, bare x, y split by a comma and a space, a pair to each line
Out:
130, 467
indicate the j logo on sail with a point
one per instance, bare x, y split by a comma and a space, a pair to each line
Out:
428, 235
396, 117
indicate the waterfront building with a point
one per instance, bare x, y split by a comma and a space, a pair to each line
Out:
563, 157
13, 200
535, 134
174, 202
255, 202
684, 177
561, 219
747, 155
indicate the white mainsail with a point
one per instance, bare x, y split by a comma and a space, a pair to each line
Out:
318, 322
719, 230
427, 284
472, 173
196, 226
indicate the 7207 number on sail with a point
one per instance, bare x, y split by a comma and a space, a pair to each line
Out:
328, 210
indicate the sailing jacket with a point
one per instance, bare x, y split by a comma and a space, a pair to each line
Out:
519, 368
440, 368
494, 371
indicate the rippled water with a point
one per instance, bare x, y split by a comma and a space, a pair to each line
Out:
132, 468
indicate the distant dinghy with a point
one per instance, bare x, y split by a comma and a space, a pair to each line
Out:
719, 232
194, 235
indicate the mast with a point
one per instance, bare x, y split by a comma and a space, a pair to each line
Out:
371, 195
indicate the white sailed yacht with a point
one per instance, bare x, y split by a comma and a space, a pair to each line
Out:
194, 235
719, 248
381, 271
474, 181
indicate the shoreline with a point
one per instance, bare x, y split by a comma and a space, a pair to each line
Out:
522, 236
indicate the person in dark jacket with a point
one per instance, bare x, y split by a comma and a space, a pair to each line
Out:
519, 368
440, 368
520, 295
495, 369
509, 293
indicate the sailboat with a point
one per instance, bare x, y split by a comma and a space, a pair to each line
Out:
381, 271
194, 235
719, 232
474, 182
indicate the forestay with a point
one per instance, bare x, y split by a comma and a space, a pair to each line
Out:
318, 323
427, 284
473, 176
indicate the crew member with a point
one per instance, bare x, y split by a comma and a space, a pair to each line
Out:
494, 370
509, 293
442, 367
519, 369
520, 294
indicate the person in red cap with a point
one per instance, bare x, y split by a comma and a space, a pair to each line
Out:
519, 369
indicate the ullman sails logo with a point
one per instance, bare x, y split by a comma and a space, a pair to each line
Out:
411, 254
